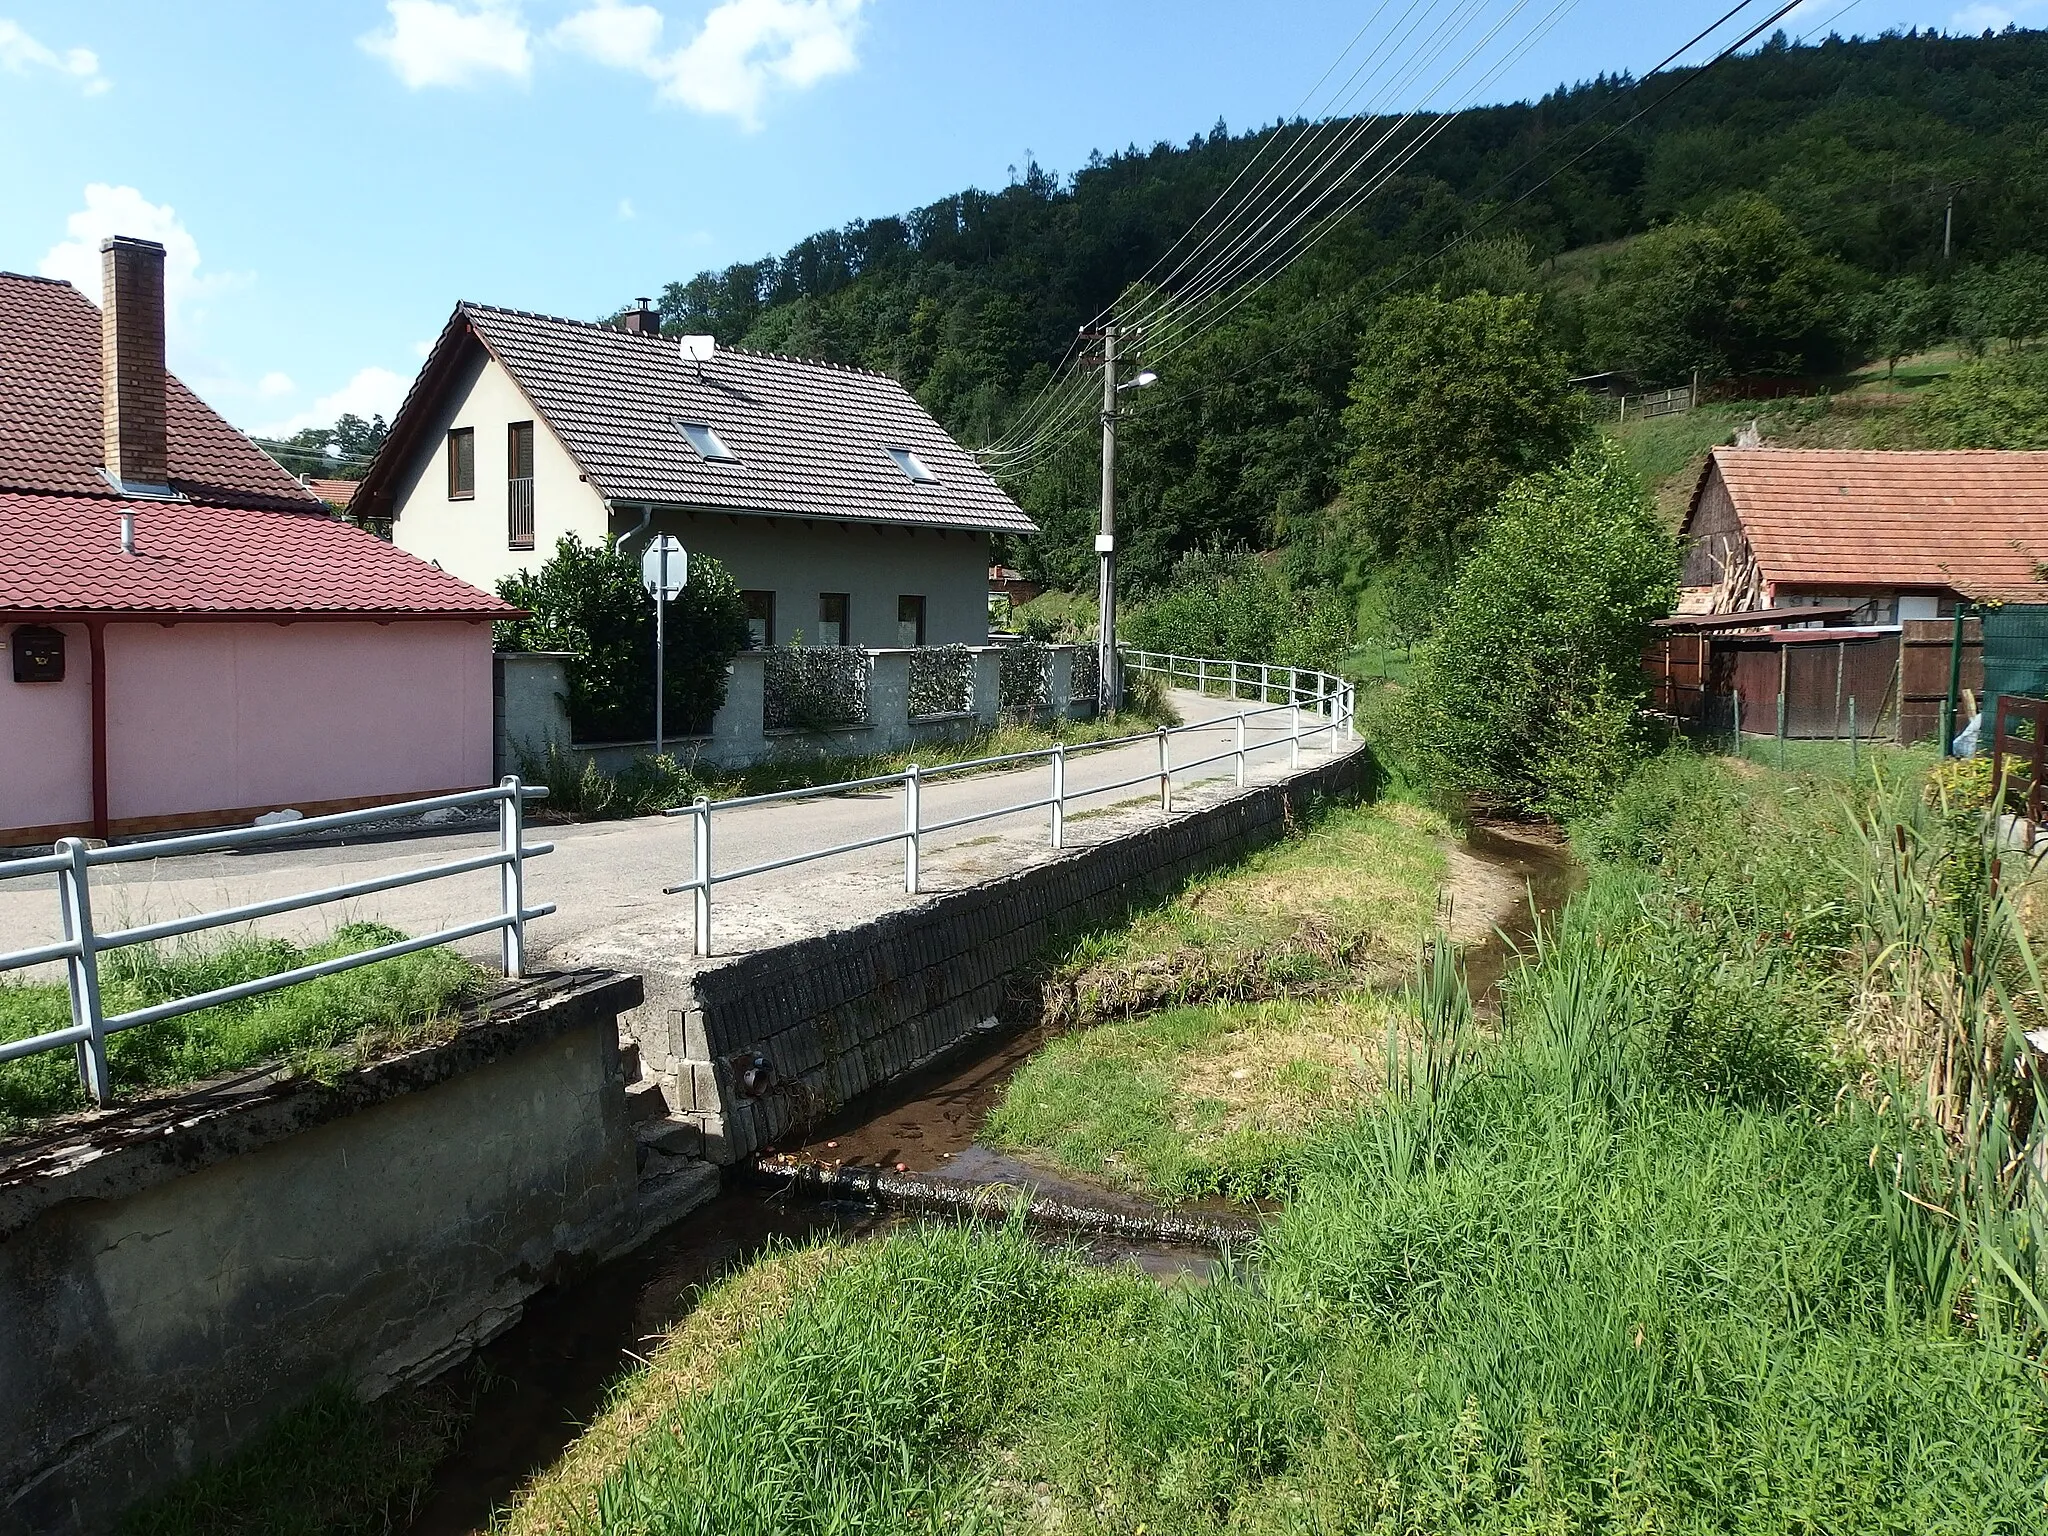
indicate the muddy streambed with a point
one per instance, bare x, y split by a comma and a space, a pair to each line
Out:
535, 1385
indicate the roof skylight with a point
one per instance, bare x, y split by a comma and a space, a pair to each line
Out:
709, 445
912, 466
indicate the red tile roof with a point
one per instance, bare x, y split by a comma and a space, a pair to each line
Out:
336, 493
1975, 523
61, 555
50, 432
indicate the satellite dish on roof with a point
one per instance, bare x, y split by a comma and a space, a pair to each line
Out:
699, 349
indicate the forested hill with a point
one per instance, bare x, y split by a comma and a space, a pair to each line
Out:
1849, 153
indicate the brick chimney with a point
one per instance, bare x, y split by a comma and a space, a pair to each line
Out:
132, 361
640, 320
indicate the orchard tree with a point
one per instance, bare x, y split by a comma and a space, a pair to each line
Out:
1452, 401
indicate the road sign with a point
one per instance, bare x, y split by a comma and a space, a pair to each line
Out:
665, 568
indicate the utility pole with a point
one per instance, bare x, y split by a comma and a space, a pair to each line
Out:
1948, 224
1109, 683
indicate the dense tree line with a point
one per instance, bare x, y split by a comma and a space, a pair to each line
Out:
1782, 213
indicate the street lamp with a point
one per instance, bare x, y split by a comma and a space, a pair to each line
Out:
1108, 684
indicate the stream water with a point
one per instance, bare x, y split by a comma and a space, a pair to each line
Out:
538, 1383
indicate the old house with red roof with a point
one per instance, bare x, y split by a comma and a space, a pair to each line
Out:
191, 637
1893, 536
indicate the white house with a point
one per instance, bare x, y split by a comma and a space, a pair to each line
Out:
843, 511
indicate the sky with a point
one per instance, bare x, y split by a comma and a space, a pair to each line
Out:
330, 179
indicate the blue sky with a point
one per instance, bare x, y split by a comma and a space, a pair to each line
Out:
330, 178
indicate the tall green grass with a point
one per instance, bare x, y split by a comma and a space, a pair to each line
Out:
1632, 1266
390, 1000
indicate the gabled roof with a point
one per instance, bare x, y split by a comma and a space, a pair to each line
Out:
50, 431
62, 556
336, 493
808, 438
1975, 522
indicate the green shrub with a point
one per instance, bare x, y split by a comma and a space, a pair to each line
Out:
587, 600
1239, 607
1997, 402
1527, 693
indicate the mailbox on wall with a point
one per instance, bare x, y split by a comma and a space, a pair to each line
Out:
38, 653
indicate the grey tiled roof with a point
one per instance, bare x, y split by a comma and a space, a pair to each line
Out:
809, 437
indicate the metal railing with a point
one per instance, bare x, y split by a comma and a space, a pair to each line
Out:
519, 512
79, 950
1330, 699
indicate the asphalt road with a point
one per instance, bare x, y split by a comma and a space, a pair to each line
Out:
608, 877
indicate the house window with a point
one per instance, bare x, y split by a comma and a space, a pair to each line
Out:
832, 619
519, 485
462, 464
709, 444
909, 621
912, 466
760, 619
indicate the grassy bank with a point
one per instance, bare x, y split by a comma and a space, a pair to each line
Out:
1215, 1031
316, 1025
1633, 1265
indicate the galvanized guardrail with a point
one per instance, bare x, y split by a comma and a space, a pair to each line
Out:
1329, 698
73, 863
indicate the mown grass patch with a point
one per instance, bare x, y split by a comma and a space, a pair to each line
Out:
318, 1026
1196, 1101
1348, 899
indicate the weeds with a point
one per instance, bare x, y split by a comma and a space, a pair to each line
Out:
319, 1026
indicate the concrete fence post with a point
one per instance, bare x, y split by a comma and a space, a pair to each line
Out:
738, 730
888, 700
988, 686
1059, 686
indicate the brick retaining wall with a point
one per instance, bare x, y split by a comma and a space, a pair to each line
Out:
837, 1015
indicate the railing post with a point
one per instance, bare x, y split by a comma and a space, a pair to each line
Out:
1240, 749
911, 834
700, 858
1235, 691
82, 971
512, 878
1202, 676
1165, 772
1294, 754
1351, 712
1265, 683
1059, 795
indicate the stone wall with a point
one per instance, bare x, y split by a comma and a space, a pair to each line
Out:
179, 1272
765, 1041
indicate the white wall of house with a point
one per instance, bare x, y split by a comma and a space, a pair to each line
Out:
470, 538
873, 565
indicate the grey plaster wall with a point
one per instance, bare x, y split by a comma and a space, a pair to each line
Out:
530, 706
176, 1275
837, 1015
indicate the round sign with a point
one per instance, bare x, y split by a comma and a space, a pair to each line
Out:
665, 568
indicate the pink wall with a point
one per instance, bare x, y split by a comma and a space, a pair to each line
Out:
215, 717
226, 716
46, 740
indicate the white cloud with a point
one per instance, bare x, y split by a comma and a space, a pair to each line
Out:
627, 210
434, 42
372, 392
125, 211
20, 53
275, 386
1979, 18
744, 50
422, 348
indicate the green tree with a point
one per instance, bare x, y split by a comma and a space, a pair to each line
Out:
1904, 316
1997, 402
2009, 301
1736, 292
587, 599
1240, 607
1452, 401
1527, 692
